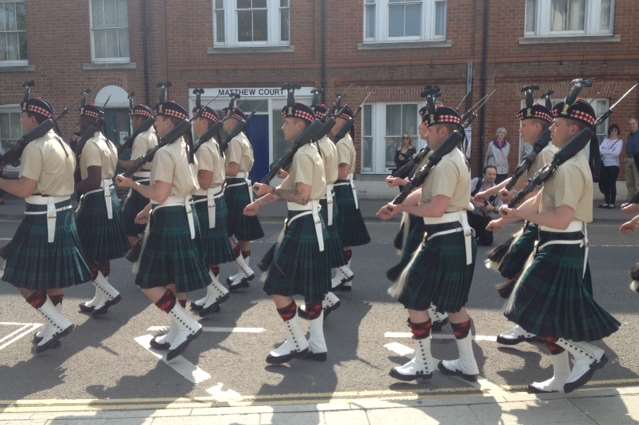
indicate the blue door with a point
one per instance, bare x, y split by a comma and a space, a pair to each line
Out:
258, 133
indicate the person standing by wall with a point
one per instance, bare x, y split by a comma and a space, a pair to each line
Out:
610, 150
497, 154
632, 157
404, 152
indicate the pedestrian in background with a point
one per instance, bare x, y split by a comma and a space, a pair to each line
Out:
631, 169
610, 150
497, 154
404, 152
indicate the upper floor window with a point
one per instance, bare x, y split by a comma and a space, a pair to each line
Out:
110, 30
551, 18
241, 23
13, 32
404, 20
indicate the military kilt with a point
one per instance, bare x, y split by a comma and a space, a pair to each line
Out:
133, 204
101, 239
553, 298
520, 250
415, 235
243, 227
34, 263
351, 226
334, 247
437, 273
298, 266
215, 245
169, 255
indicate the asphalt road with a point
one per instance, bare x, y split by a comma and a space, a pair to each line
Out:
104, 358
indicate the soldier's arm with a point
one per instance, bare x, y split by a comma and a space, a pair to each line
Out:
22, 188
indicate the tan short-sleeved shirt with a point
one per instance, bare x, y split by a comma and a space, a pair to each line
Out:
50, 162
307, 168
171, 165
328, 150
450, 178
346, 152
571, 186
99, 152
209, 159
543, 158
240, 151
143, 143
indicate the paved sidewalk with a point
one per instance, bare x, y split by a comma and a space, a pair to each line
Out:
584, 407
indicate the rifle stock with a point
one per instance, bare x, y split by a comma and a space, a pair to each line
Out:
528, 161
128, 143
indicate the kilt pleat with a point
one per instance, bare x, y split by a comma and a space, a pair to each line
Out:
553, 298
437, 272
298, 267
133, 204
170, 255
411, 244
520, 250
33, 263
215, 245
243, 227
101, 239
334, 247
352, 228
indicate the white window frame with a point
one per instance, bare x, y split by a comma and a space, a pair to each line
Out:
592, 21
107, 60
273, 21
18, 62
9, 109
382, 17
378, 136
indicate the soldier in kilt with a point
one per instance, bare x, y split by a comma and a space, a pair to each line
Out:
441, 270
300, 264
243, 229
535, 121
352, 228
146, 140
98, 217
334, 247
211, 212
44, 256
553, 298
171, 263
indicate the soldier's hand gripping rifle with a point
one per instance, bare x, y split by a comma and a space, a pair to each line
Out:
146, 124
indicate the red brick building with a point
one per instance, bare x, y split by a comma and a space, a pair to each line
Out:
390, 47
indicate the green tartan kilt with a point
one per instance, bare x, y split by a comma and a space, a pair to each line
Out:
352, 228
215, 244
133, 204
552, 298
520, 250
243, 227
437, 273
416, 229
101, 239
33, 263
298, 267
170, 255
334, 247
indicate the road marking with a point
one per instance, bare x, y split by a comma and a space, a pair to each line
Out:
399, 349
222, 395
490, 338
188, 370
5, 239
215, 329
24, 330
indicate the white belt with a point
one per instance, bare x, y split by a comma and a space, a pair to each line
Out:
329, 204
107, 185
350, 183
246, 182
51, 211
310, 208
175, 201
460, 217
211, 196
574, 226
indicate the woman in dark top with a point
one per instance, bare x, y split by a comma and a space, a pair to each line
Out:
405, 151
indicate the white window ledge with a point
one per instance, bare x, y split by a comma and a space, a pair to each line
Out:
383, 45
16, 68
240, 50
108, 65
570, 39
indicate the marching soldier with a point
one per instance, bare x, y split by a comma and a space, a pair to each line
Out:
98, 218
441, 270
553, 298
170, 263
44, 256
301, 262
352, 228
243, 229
145, 140
211, 210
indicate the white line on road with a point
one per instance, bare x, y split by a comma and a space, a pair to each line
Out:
399, 349
214, 329
220, 394
188, 370
490, 338
5, 239
26, 330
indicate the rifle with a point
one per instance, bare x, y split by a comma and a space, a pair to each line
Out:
146, 124
240, 127
350, 123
